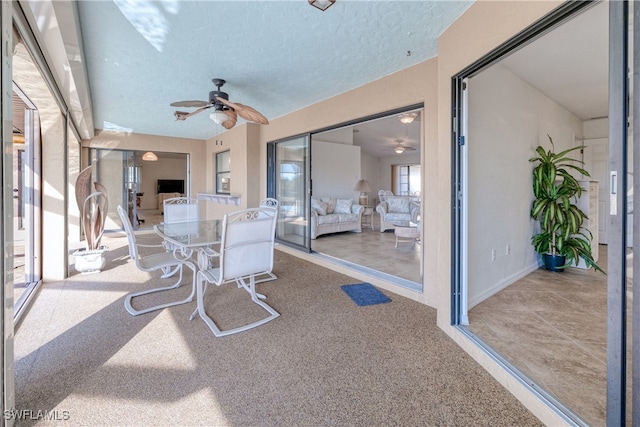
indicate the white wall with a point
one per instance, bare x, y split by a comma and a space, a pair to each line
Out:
596, 128
371, 170
164, 168
508, 118
335, 169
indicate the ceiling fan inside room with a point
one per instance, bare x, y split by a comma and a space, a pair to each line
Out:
401, 147
224, 111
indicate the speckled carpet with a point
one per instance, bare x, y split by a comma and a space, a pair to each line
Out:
323, 362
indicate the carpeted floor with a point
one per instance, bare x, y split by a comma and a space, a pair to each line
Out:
324, 362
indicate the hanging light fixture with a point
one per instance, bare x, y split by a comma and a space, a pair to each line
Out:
149, 156
399, 149
321, 4
408, 117
218, 116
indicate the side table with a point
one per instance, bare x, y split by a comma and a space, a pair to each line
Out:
367, 217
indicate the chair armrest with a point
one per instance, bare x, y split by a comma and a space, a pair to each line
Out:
382, 208
415, 214
314, 216
357, 209
205, 257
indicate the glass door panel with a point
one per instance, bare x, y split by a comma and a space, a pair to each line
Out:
289, 183
26, 190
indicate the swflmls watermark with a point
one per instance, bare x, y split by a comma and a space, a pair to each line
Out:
36, 415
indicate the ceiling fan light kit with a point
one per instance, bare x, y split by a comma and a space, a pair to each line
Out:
225, 112
408, 117
218, 116
399, 149
321, 4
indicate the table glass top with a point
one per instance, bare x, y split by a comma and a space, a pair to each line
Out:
193, 233
410, 224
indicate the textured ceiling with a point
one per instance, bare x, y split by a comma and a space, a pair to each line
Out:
276, 56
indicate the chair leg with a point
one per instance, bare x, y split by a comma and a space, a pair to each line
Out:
270, 277
168, 271
134, 312
251, 288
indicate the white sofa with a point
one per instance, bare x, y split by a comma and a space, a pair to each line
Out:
333, 215
397, 208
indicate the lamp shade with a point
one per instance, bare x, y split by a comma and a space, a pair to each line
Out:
362, 186
149, 156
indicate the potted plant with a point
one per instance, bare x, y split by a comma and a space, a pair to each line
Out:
93, 213
562, 241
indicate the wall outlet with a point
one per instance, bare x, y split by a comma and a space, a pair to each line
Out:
493, 254
507, 249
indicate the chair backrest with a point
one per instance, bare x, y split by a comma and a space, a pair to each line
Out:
131, 237
181, 209
246, 247
269, 203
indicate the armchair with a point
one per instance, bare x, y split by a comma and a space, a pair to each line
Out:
395, 209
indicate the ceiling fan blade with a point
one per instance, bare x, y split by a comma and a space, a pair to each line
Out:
189, 104
182, 115
245, 111
232, 119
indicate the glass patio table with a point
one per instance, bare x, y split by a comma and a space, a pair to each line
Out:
190, 236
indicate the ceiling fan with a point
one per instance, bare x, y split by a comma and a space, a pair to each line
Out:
400, 147
224, 112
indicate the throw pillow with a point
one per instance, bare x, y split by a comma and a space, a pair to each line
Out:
319, 206
343, 206
331, 204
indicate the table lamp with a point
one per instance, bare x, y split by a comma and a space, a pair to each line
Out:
363, 187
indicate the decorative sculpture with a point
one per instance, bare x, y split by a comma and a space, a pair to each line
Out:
93, 207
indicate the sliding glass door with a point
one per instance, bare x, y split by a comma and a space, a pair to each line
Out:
289, 182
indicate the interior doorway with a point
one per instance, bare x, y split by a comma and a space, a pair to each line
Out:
547, 88
385, 153
140, 182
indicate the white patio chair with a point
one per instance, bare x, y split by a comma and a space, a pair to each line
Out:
156, 261
268, 203
181, 209
178, 209
246, 250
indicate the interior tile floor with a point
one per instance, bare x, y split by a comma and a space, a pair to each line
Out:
553, 328
374, 250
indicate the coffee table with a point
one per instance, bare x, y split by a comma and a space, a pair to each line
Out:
406, 231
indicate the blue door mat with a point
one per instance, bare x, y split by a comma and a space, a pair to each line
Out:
365, 294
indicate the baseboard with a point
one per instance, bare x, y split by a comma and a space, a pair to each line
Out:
502, 284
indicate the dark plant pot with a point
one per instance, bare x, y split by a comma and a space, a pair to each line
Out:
554, 262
